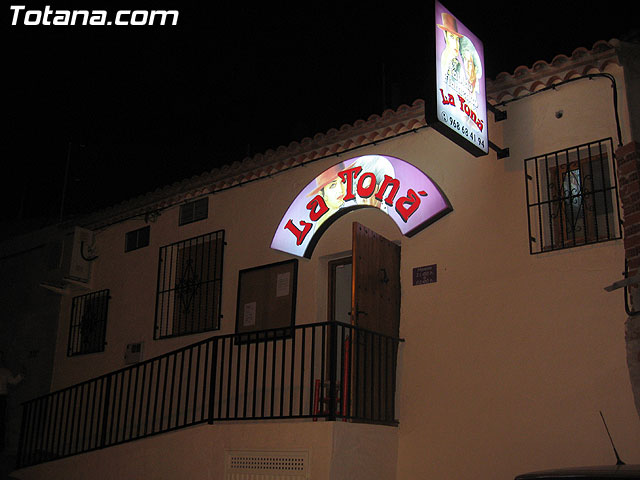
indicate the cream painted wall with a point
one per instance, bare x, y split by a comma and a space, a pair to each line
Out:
516, 353
508, 357
336, 451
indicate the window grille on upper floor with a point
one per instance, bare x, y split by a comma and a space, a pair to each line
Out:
88, 328
572, 197
189, 286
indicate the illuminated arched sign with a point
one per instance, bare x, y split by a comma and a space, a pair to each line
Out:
399, 189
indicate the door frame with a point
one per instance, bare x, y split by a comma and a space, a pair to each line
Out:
331, 294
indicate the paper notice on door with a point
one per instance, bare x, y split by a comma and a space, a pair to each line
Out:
282, 284
249, 317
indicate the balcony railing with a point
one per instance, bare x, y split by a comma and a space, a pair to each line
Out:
323, 370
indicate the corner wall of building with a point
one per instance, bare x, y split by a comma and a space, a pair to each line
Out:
628, 160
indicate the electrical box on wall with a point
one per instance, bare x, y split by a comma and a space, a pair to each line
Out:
133, 353
78, 255
68, 260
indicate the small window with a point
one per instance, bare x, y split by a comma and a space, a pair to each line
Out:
189, 286
194, 211
572, 197
88, 327
137, 239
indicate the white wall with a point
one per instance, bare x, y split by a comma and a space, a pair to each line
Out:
336, 451
508, 357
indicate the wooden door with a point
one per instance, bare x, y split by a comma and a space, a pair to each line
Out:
375, 310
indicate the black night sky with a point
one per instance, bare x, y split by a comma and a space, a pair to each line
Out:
144, 106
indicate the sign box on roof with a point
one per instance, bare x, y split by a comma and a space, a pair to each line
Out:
456, 104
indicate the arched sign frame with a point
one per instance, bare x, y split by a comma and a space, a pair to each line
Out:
399, 189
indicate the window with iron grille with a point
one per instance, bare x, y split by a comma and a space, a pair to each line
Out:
88, 327
193, 211
189, 286
137, 239
572, 197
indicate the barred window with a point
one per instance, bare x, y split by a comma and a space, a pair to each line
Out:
572, 197
189, 286
88, 328
137, 239
193, 211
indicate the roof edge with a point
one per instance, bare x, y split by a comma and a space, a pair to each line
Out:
349, 136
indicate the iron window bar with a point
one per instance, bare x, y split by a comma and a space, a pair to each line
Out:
189, 286
88, 324
572, 197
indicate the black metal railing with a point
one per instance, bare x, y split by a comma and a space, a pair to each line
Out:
323, 370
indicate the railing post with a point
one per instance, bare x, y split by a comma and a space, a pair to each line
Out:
212, 381
105, 413
19, 462
333, 366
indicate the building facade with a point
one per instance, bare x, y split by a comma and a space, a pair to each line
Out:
481, 344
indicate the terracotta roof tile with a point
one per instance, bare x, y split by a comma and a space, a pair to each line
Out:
525, 79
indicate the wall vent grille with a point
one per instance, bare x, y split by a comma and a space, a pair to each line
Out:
266, 465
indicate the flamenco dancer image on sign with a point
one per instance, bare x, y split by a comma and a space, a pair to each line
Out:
450, 61
460, 65
332, 188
